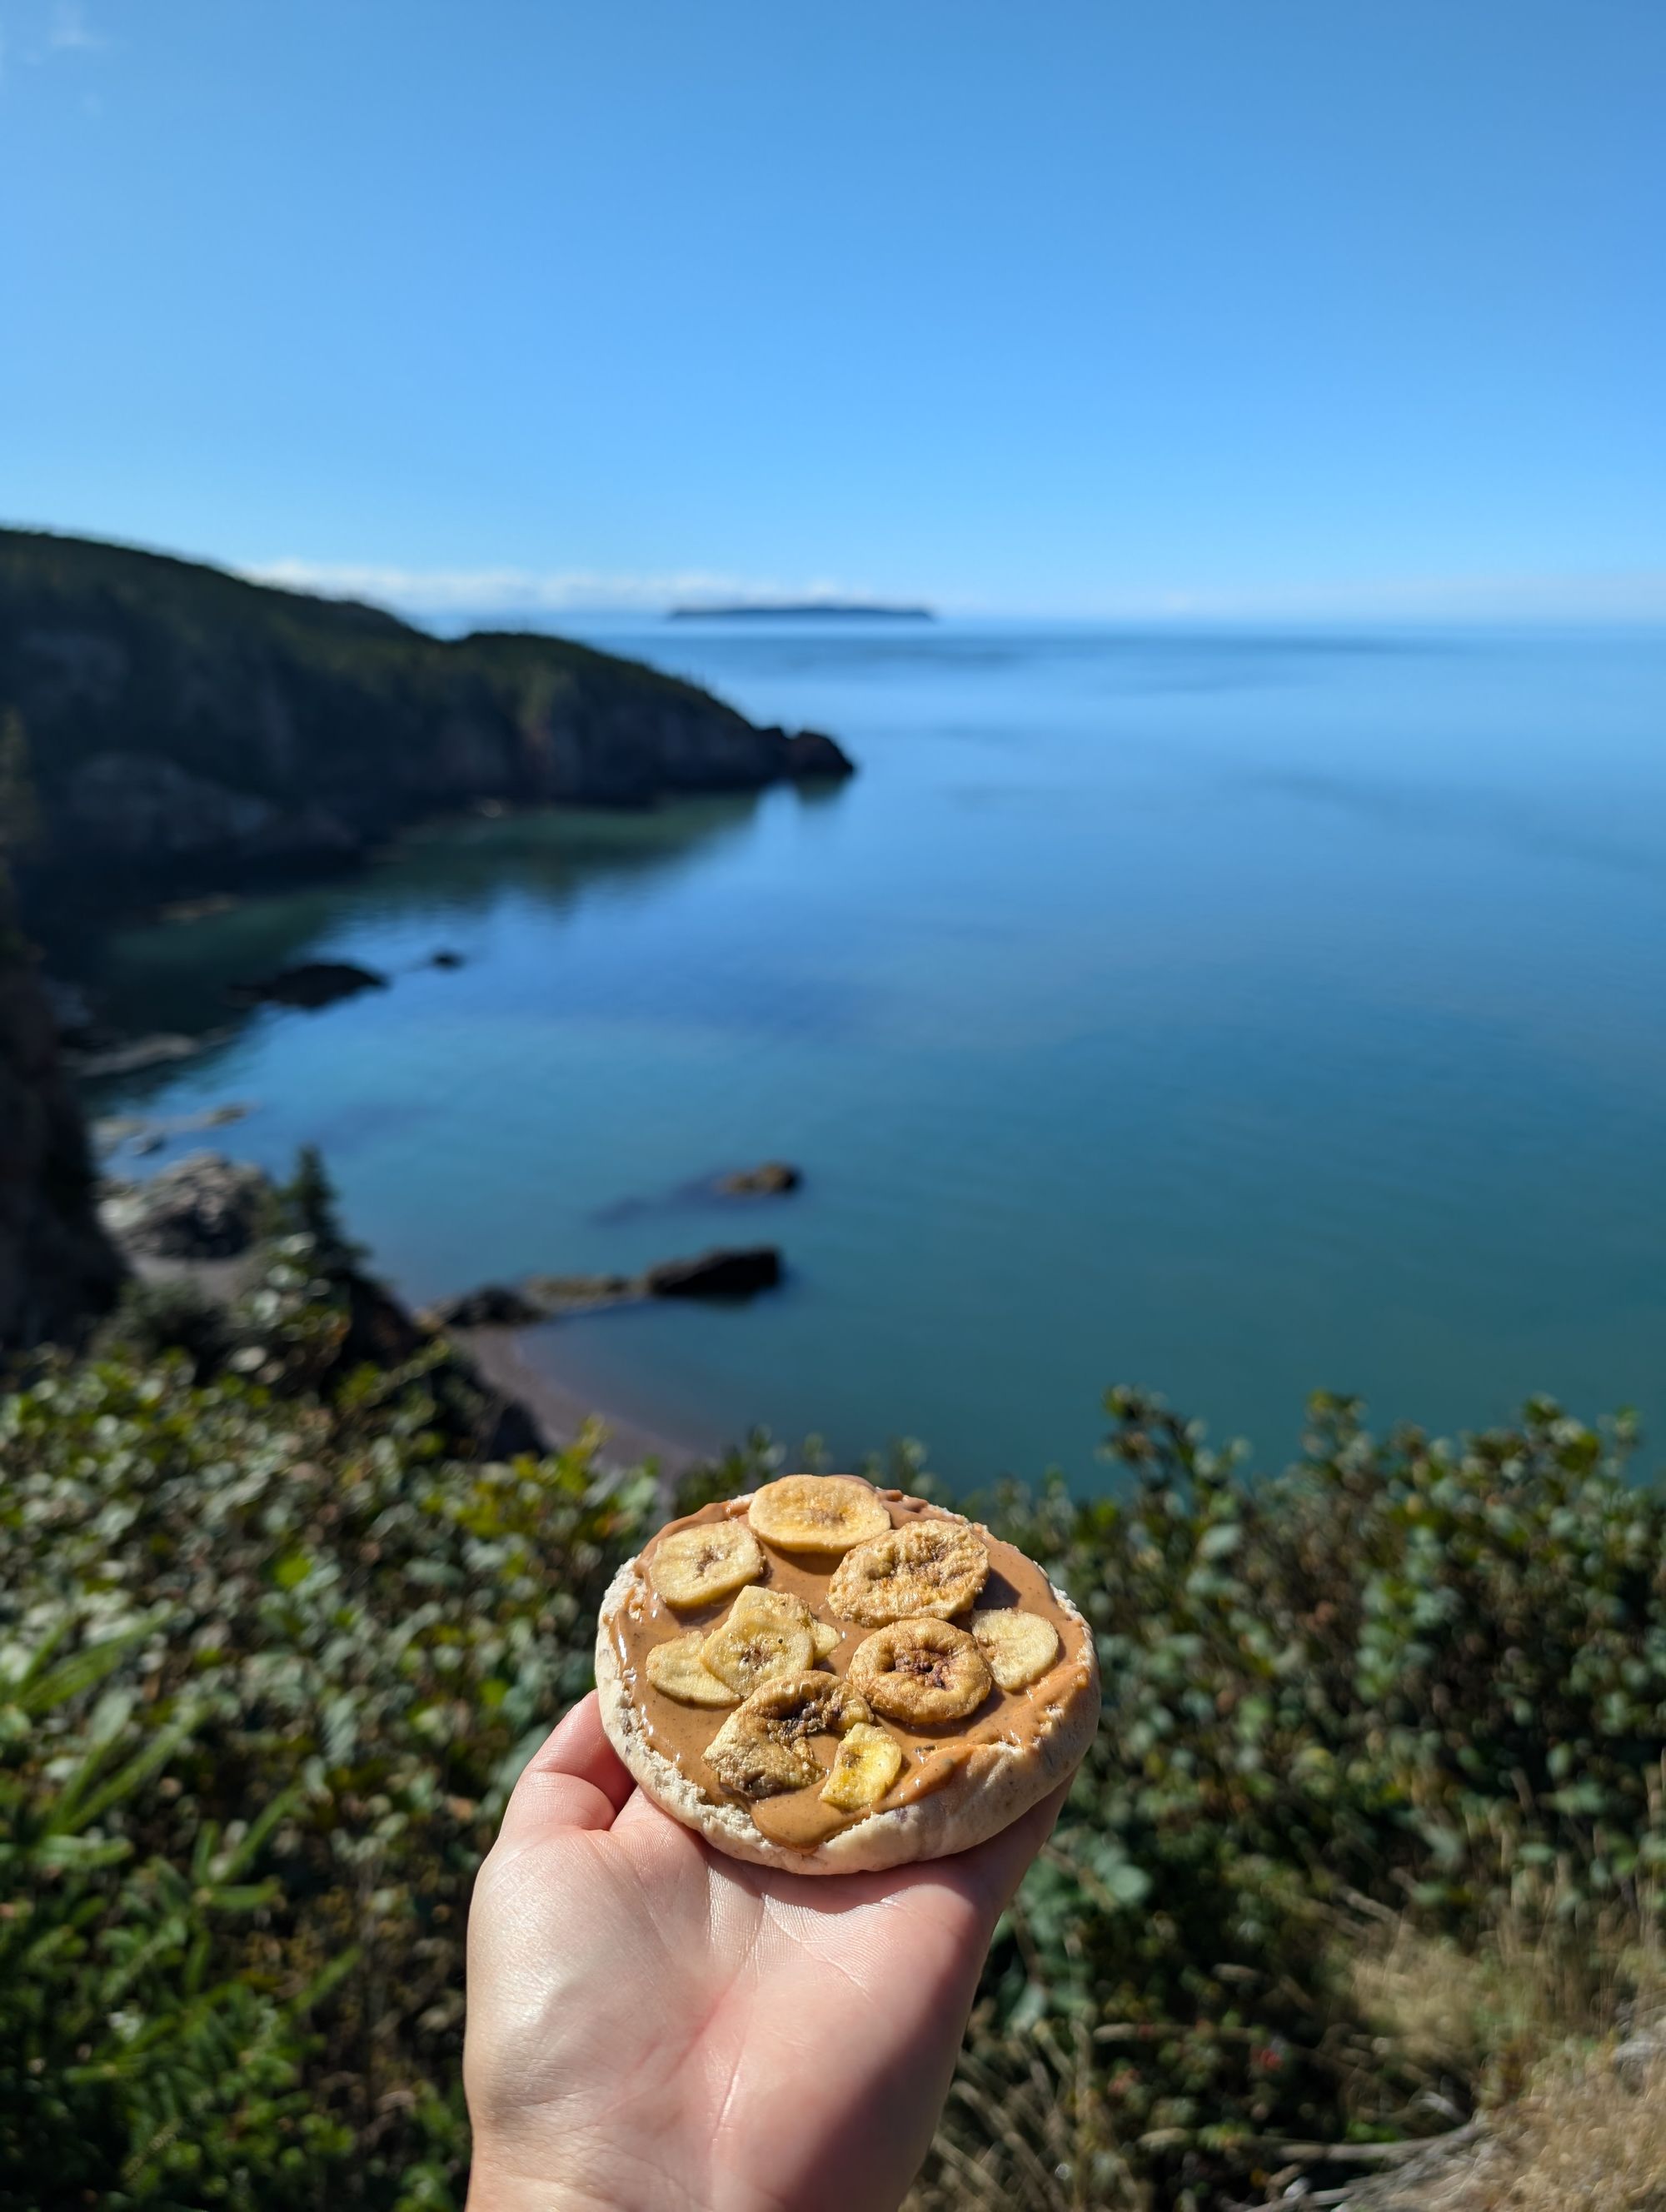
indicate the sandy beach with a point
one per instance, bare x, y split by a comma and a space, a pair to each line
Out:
560, 1406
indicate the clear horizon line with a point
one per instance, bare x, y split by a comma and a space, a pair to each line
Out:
1625, 596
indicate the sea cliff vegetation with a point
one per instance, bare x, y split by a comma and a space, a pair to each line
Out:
1370, 1839
164, 725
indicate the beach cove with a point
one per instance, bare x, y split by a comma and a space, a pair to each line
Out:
1234, 1011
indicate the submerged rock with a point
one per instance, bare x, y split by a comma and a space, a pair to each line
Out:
493, 1305
582, 1293
773, 1179
716, 1274
312, 983
140, 1052
204, 1207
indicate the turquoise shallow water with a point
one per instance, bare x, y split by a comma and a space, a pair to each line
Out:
1233, 1013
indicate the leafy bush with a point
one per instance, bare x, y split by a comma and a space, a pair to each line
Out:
269, 1658
1405, 1676
268, 1665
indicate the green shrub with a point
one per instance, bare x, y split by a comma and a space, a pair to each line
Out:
270, 1659
1403, 1675
267, 1669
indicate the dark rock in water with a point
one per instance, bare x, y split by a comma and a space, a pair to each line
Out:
445, 959
716, 1274
495, 1305
313, 983
204, 1207
582, 1293
812, 757
772, 1179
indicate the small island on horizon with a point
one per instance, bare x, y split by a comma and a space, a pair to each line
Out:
846, 609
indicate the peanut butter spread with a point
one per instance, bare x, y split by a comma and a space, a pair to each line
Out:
932, 1757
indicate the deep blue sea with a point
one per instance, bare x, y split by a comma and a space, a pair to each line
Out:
1231, 1013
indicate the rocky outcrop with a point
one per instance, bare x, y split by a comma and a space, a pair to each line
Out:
178, 729
721, 1273
57, 1269
310, 983
204, 1207
814, 757
138, 807
493, 1305
772, 1179
716, 1274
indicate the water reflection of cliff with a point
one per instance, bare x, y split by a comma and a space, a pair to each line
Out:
431, 887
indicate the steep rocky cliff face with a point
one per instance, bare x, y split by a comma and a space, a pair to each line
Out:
162, 721
57, 1268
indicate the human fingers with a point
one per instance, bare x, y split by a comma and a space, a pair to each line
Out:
574, 1780
987, 1875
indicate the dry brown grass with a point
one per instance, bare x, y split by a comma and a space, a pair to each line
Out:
1025, 2130
1553, 2032
1556, 2024
1547, 1970
1588, 2135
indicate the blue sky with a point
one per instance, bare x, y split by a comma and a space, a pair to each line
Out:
1225, 304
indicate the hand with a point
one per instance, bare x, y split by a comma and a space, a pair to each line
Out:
654, 2028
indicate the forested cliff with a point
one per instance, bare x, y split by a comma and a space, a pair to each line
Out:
164, 722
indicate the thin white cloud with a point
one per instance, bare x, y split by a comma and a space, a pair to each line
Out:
445, 591
69, 31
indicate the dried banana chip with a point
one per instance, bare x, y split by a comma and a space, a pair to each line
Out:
698, 1566
677, 1671
866, 1763
1018, 1647
817, 1513
923, 1673
935, 1567
765, 1746
767, 1633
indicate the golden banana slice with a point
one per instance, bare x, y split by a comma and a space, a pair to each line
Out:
765, 1746
698, 1566
766, 1634
1018, 1648
756, 1604
677, 1671
920, 1672
817, 1513
935, 1567
865, 1765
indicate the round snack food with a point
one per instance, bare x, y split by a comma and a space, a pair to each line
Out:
900, 1687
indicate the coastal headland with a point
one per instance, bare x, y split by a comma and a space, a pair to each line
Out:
170, 729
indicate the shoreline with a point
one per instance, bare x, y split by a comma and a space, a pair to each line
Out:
559, 1406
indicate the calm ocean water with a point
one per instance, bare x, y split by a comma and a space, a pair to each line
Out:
1233, 1013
